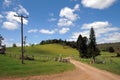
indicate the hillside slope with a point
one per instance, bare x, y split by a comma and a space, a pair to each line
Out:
45, 50
10, 64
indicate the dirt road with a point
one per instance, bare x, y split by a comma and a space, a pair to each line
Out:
82, 72
94, 73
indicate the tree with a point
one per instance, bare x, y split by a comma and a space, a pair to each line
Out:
79, 45
14, 45
2, 47
82, 46
93, 51
84, 43
111, 49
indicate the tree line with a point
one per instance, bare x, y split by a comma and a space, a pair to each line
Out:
59, 41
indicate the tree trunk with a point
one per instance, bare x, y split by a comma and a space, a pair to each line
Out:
93, 57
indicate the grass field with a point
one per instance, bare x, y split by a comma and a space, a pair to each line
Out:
111, 63
10, 64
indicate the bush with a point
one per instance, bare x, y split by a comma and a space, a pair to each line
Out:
2, 49
111, 49
28, 57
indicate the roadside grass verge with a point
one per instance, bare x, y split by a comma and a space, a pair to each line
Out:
10, 67
111, 63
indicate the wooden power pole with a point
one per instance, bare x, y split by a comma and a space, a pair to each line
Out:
1, 38
22, 49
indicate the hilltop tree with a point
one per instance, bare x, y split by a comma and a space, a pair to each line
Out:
14, 45
93, 51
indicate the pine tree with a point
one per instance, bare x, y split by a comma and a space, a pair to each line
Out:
79, 45
93, 51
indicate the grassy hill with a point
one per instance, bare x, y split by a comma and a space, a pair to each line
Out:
50, 50
10, 64
104, 46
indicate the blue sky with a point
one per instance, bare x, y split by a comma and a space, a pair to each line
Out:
60, 19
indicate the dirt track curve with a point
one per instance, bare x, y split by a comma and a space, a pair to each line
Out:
82, 72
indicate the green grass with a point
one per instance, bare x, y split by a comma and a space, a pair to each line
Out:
10, 64
112, 64
51, 50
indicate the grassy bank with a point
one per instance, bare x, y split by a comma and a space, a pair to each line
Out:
10, 64
10, 67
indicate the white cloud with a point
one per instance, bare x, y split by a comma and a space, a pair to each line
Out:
68, 16
9, 42
10, 25
96, 25
100, 27
7, 3
52, 19
97, 4
64, 30
104, 32
45, 31
22, 10
12, 22
73, 0
71, 39
51, 14
32, 31
111, 37
68, 13
1, 16
76, 34
77, 7
65, 22
10, 17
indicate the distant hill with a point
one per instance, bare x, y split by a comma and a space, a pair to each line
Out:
105, 46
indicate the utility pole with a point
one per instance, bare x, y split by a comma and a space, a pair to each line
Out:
22, 50
1, 38
24, 42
